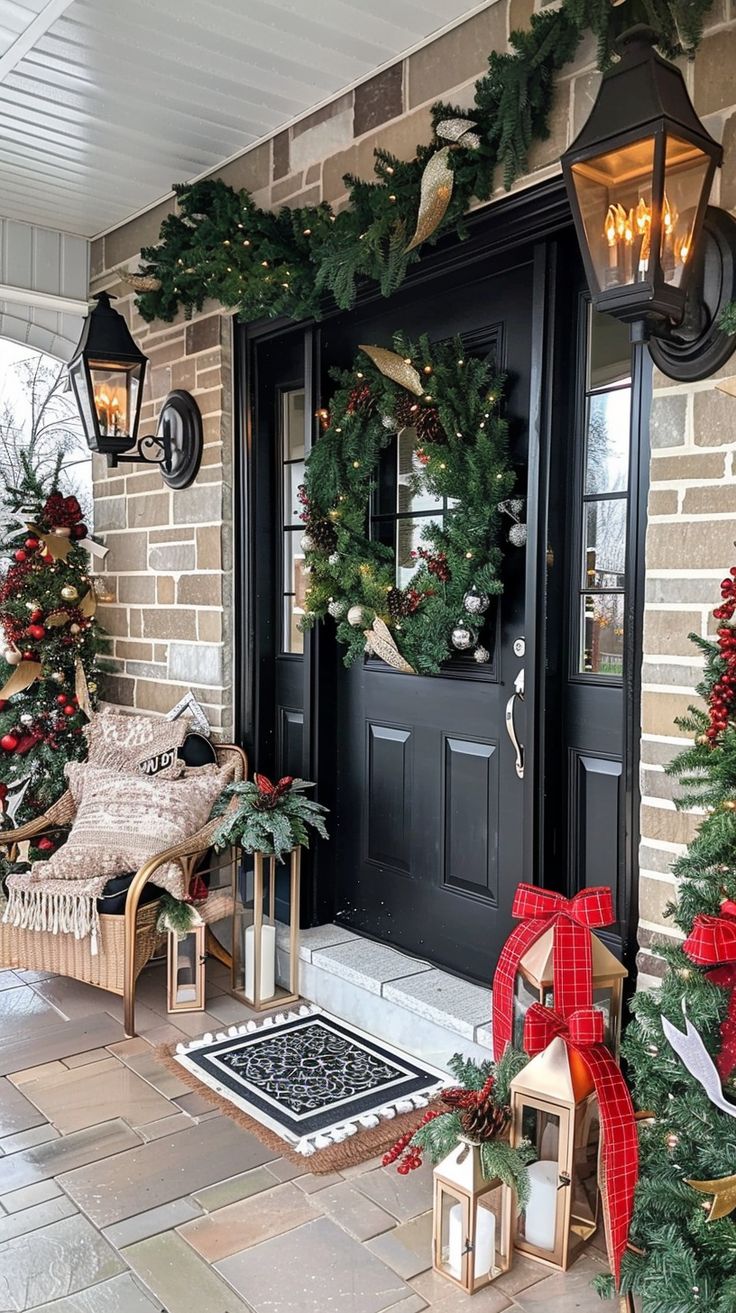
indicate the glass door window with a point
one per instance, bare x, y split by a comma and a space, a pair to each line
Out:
294, 579
604, 498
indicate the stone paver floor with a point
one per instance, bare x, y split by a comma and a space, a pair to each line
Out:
121, 1191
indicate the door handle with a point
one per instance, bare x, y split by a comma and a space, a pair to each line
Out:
511, 725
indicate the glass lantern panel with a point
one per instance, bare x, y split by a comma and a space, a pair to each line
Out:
537, 1224
115, 391
83, 396
244, 948
187, 965
490, 1244
685, 174
584, 1206
454, 1233
603, 1000
614, 193
524, 996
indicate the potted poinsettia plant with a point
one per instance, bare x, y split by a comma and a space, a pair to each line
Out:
269, 818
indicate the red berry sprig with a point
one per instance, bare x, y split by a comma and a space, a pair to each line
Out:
409, 1153
436, 563
723, 693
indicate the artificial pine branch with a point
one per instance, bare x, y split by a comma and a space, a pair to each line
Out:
266, 823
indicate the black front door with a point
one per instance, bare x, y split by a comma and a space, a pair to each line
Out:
429, 802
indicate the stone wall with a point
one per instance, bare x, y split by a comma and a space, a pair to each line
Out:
170, 559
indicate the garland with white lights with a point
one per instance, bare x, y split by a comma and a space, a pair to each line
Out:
451, 407
221, 245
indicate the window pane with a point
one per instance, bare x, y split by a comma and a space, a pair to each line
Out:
293, 477
605, 544
609, 351
408, 540
407, 465
602, 634
292, 452
607, 445
293, 636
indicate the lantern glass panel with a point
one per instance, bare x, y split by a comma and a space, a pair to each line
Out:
584, 1184
614, 193
265, 923
524, 995
547, 1130
474, 1237
685, 176
186, 959
115, 391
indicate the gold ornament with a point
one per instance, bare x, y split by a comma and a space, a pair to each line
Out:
82, 689
379, 641
395, 367
435, 195
88, 604
69, 593
724, 1195
92, 687
55, 619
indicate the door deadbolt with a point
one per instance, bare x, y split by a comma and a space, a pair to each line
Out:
519, 647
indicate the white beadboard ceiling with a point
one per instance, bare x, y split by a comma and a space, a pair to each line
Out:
105, 103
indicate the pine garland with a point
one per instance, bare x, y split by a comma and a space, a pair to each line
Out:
220, 244
467, 463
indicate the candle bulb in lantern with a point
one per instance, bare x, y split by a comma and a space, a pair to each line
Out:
610, 230
643, 221
115, 415
485, 1242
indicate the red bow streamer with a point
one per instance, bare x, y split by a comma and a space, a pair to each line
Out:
619, 1162
573, 919
713, 940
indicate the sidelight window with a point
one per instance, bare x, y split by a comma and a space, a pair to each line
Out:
604, 497
294, 581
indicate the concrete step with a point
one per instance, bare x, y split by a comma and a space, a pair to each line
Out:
387, 993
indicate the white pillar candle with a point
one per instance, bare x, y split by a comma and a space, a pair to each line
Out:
485, 1242
541, 1211
268, 962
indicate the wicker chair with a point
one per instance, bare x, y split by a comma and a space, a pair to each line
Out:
126, 942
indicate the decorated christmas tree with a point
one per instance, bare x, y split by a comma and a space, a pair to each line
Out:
681, 1046
49, 642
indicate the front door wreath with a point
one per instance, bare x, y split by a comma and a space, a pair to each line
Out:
451, 404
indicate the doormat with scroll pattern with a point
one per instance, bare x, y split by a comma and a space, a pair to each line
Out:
310, 1086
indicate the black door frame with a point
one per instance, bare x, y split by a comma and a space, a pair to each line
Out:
533, 215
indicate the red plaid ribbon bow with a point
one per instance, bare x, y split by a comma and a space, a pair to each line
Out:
713, 940
619, 1162
573, 919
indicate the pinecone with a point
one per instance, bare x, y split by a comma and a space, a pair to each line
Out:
484, 1121
323, 535
397, 606
360, 399
428, 425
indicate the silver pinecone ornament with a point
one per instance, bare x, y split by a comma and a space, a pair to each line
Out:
481, 655
475, 602
336, 608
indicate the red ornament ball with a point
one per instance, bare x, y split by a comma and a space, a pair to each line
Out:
29, 656
79, 531
3, 791
70, 710
9, 742
45, 845
36, 616
20, 555
62, 699
36, 631
47, 558
32, 544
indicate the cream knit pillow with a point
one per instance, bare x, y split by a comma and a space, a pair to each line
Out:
145, 745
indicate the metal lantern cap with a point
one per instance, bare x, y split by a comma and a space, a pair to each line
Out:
537, 963
557, 1074
106, 337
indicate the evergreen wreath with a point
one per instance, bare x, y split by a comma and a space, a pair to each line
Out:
460, 455
220, 244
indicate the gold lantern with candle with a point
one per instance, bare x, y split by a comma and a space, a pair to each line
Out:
266, 920
534, 983
555, 1107
471, 1244
185, 976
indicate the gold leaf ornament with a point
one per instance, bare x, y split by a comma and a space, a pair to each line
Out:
139, 282
88, 604
55, 542
724, 1195
434, 196
380, 642
22, 677
395, 367
81, 689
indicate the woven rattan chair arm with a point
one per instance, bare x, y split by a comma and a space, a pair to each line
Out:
62, 812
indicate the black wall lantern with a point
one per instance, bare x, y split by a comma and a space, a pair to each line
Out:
638, 178
107, 373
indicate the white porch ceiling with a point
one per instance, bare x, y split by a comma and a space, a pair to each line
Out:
105, 103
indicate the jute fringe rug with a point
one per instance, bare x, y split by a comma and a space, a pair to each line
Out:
310, 1087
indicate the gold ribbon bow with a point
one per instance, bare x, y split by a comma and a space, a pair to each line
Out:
437, 180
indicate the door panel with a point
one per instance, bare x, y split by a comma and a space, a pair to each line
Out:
429, 807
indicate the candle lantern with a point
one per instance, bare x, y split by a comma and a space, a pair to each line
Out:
107, 372
638, 177
472, 1221
554, 1105
186, 962
534, 983
257, 932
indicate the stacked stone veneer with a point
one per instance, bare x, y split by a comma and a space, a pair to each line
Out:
170, 566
